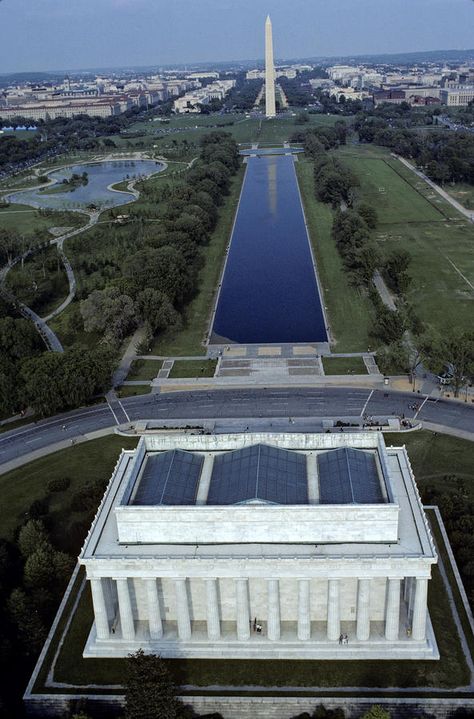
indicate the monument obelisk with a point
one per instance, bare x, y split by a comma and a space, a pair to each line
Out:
270, 110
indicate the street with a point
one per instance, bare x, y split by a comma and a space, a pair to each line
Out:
236, 409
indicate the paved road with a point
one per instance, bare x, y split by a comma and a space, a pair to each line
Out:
236, 409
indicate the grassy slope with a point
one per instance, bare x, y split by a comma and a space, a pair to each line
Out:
413, 217
25, 220
189, 340
348, 309
434, 457
83, 463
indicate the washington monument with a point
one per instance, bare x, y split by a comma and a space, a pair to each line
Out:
269, 71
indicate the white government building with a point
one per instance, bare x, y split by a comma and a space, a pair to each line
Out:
261, 546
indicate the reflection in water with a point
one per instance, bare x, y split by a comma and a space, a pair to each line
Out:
272, 186
269, 292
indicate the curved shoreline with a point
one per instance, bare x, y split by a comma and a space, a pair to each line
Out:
12, 195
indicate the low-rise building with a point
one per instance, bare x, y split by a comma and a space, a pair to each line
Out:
459, 96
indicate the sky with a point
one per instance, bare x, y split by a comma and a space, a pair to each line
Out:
78, 34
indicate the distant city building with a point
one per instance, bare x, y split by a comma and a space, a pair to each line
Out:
395, 97
457, 96
191, 101
261, 546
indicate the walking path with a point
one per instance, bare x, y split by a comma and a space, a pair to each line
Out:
385, 294
469, 214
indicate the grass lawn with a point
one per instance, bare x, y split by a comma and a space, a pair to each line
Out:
144, 369
83, 463
348, 309
440, 546
389, 193
344, 365
189, 340
193, 368
434, 457
132, 390
26, 220
415, 218
164, 138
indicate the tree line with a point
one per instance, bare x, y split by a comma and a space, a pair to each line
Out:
152, 274
446, 156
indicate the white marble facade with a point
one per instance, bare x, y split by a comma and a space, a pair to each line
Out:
201, 593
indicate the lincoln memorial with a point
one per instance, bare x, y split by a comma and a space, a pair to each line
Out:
264, 546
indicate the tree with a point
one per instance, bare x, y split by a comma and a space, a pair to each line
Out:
376, 712
156, 309
32, 535
110, 311
453, 351
395, 270
150, 692
369, 214
24, 613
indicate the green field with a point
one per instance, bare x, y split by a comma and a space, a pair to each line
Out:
344, 365
415, 218
435, 458
164, 138
348, 309
88, 462
193, 368
393, 197
144, 369
27, 221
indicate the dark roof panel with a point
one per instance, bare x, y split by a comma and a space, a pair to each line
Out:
348, 476
260, 473
169, 478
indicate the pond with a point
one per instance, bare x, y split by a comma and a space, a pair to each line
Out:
269, 290
99, 176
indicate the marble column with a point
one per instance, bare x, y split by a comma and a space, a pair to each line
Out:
182, 610
304, 617
363, 610
213, 622
100, 609
334, 620
125, 608
273, 619
392, 609
154, 614
242, 602
420, 608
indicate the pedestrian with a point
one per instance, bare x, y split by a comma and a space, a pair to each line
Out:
346, 639
340, 638
255, 624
